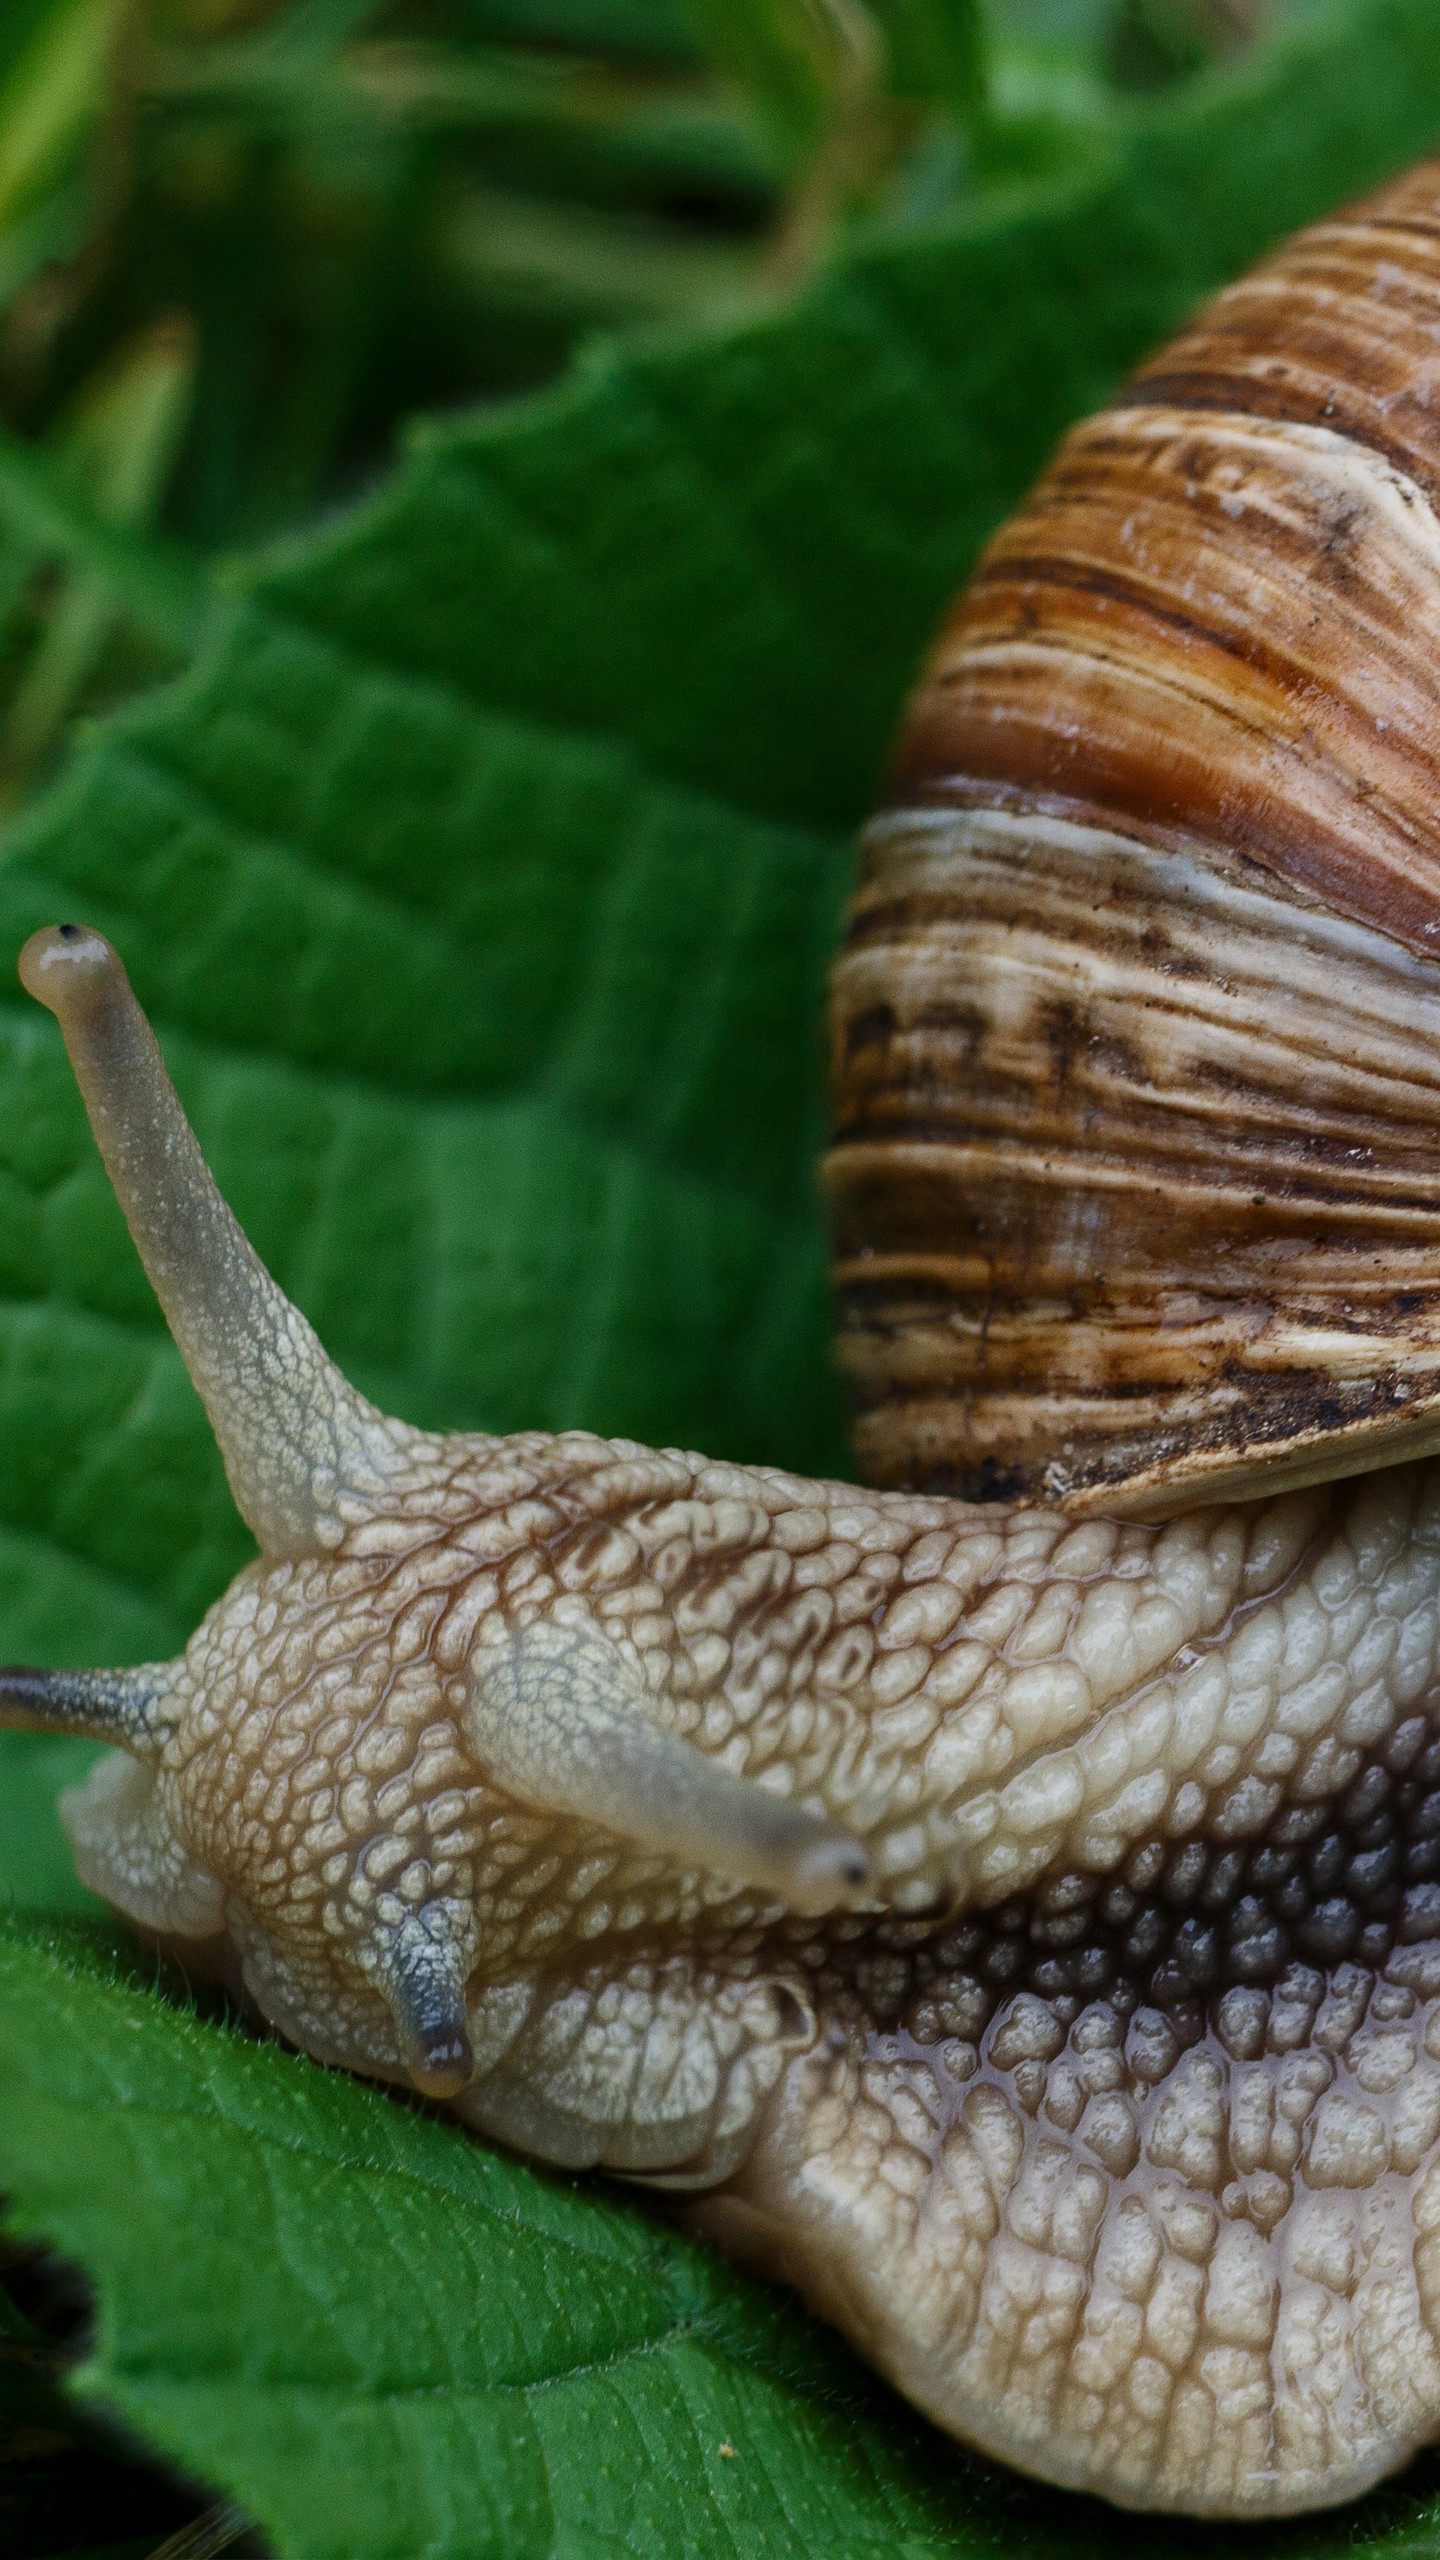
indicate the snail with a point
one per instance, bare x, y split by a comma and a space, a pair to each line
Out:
1005, 1903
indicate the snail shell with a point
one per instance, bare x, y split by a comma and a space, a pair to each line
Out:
1136, 1032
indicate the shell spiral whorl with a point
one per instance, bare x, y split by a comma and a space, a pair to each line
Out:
1137, 1029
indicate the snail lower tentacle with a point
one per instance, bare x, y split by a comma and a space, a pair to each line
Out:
1017, 1921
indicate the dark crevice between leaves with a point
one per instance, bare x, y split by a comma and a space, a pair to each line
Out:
72, 2485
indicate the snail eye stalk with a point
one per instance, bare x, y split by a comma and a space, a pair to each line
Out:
301, 1447
131, 1709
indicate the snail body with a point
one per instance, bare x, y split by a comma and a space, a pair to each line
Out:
1017, 1921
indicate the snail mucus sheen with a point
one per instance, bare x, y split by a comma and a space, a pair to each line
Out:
1008, 1905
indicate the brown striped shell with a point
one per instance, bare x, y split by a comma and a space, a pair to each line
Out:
1136, 1030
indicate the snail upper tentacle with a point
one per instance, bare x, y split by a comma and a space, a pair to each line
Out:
301, 1447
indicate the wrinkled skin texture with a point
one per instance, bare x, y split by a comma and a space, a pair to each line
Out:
1104, 2118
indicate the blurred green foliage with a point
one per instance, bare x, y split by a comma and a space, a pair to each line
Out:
240, 240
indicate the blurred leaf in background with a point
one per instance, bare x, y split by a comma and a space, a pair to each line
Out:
240, 240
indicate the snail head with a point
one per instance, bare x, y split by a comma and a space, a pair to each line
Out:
401, 1756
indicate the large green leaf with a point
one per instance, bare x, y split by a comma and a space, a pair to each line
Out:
423, 2348
481, 877
386, 2340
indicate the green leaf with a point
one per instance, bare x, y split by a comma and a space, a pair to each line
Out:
50, 95
937, 50
385, 2339
381, 2338
481, 876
